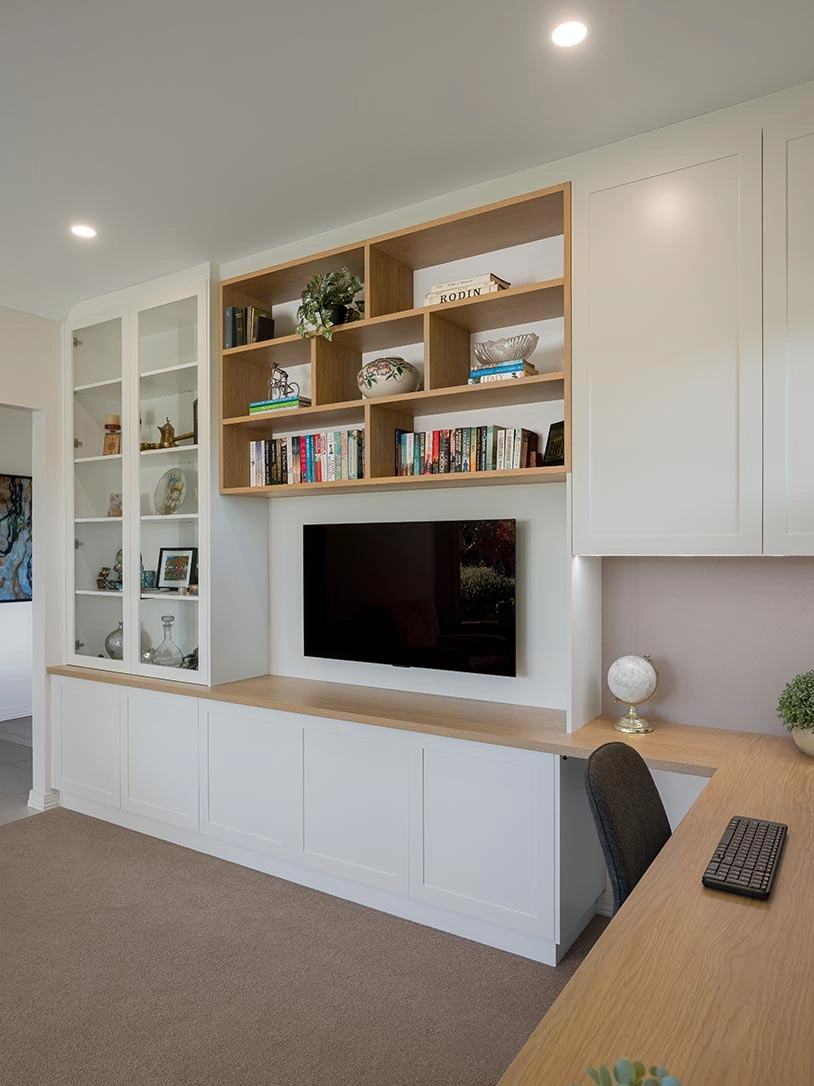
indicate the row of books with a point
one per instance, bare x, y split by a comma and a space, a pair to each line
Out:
307, 458
457, 290
467, 448
244, 324
506, 371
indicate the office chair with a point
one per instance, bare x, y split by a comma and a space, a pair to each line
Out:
629, 815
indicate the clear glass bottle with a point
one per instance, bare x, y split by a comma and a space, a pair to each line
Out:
168, 654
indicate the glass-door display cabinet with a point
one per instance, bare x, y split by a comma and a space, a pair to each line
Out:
138, 488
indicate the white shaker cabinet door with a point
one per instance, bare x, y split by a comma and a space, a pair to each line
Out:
667, 346
160, 757
86, 739
788, 446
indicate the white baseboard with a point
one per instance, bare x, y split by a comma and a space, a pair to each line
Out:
43, 801
15, 711
604, 903
432, 916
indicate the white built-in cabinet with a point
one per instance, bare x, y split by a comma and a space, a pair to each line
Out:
143, 356
667, 455
788, 250
490, 842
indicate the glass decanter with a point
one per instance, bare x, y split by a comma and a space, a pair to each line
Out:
167, 654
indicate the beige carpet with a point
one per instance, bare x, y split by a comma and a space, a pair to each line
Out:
126, 961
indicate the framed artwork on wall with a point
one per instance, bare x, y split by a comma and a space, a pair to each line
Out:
15, 538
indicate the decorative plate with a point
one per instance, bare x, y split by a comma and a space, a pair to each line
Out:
170, 492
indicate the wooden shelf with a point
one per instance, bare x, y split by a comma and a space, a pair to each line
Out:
285, 350
545, 387
411, 482
387, 264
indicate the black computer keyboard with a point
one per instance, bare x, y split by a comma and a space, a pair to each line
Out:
746, 858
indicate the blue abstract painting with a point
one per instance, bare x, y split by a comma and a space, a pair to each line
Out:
15, 538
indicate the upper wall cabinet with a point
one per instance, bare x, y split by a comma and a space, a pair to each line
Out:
788, 247
667, 346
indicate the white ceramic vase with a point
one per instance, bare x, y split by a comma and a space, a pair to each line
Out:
804, 738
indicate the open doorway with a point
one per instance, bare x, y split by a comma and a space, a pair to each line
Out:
16, 611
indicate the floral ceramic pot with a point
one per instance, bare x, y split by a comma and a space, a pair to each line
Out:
390, 376
804, 738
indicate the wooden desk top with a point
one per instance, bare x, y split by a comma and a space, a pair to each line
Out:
716, 988
676, 747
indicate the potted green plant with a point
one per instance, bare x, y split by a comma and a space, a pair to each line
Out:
329, 299
631, 1073
796, 709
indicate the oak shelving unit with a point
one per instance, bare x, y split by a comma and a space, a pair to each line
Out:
387, 264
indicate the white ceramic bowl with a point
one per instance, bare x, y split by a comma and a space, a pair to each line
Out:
496, 351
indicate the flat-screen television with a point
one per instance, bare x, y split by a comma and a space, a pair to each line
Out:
435, 594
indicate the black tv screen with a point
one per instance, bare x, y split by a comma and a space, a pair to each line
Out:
434, 594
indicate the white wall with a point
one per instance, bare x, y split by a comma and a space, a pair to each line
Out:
16, 645
30, 365
542, 574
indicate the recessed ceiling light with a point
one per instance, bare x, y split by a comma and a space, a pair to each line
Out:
81, 231
569, 33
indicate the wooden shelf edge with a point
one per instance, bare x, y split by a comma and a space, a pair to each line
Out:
415, 482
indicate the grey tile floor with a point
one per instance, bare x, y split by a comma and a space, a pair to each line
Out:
15, 770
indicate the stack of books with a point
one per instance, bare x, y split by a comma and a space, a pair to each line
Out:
244, 324
307, 458
282, 403
458, 289
505, 371
469, 448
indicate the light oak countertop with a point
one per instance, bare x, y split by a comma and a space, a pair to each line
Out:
675, 747
714, 987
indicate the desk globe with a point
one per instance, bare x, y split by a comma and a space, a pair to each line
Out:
632, 680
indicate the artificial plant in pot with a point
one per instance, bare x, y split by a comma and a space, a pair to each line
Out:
796, 709
631, 1073
329, 299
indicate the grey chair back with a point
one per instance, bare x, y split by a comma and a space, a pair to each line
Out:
629, 815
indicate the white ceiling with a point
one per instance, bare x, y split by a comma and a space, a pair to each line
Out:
191, 130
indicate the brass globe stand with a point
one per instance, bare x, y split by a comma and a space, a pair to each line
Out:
632, 723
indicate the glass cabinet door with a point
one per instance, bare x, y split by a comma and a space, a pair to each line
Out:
167, 344
99, 493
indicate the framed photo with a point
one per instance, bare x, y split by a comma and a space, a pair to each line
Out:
15, 538
177, 567
112, 444
554, 454
114, 505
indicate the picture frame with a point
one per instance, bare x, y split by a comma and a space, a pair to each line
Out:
112, 444
554, 455
177, 568
15, 530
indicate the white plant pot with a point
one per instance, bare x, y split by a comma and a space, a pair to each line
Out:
804, 740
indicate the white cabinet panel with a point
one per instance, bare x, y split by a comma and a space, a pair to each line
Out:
356, 799
667, 349
251, 778
789, 337
86, 739
485, 843
160, 757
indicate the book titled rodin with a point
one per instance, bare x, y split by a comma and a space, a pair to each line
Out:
432, 594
